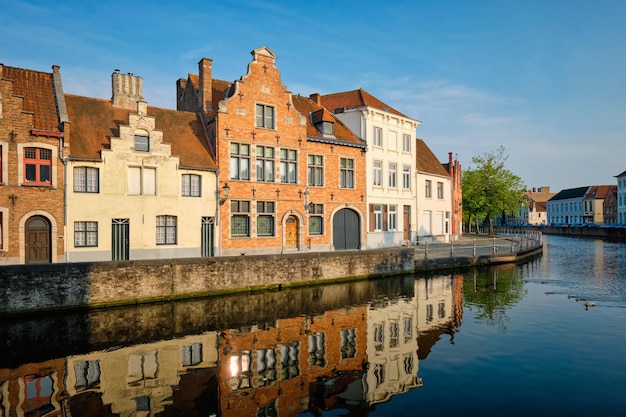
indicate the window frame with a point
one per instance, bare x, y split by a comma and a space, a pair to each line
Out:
392, 217
377, 137
265, 164
406, 143
440, 192
406, 177
428, 188
262, 118
188, 188
38, 163
84, 186
378, 217
165, 237
378, 174
141, 143
86, 234
288, 166
315, 170
316, 214
242, 173
144, 185
393, 175
240, 209
266, 211
346, 173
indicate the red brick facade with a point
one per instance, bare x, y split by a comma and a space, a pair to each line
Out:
32, 173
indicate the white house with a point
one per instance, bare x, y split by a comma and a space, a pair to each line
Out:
141, 180
621, 198
390, 164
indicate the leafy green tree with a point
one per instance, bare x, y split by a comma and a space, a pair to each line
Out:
490, 190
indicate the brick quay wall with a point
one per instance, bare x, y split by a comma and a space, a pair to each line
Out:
67, 286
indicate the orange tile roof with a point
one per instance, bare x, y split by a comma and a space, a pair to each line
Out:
426, 160
38, 92
306, 107
94, 121
356, 99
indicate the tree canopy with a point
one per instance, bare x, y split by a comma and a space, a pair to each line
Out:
490, 189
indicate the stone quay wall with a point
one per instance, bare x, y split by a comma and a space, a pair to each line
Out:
66, 286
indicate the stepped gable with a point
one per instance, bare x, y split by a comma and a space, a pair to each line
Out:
426, 161
316, 113
95, 121
37, 88
356, 99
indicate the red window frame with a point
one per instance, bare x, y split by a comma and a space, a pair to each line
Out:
35, 159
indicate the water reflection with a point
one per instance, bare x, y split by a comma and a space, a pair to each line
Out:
339, 347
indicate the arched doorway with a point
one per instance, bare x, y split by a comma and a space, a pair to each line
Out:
38, 240
346, 230
291, 232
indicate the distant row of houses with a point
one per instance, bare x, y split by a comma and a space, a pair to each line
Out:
239, 167
590, 205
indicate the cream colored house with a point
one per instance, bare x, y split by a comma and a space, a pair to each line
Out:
141, 181
434, 196
390, 164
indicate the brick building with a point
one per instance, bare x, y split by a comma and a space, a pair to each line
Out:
291, 175
32, 149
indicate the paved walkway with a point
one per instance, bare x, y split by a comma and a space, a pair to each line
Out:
476, 245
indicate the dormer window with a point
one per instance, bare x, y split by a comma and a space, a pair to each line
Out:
327, 128
142, 143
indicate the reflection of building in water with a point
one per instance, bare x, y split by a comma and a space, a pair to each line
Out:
391, 348
145, 379
297, 364
440, 309
34, 389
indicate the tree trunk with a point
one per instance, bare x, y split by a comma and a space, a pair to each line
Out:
490, 224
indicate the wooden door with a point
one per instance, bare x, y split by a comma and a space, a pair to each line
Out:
407, 223
346, 230
291, 232
120, 247
38, 241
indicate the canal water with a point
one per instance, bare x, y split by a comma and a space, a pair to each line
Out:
545, 338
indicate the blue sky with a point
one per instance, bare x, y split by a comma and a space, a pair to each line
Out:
546, 79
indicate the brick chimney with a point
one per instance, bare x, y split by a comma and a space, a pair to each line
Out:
127, 90
205, 72
317, 98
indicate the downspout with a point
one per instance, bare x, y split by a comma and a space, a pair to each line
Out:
63, 123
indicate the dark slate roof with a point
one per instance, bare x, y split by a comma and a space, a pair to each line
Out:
94, 121
38, 91
355, 99
313, 112
620, 175
570, 193
426, 161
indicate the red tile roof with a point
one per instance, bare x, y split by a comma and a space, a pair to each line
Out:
426, 160
355, 99
38, 92
94, 121
306, 107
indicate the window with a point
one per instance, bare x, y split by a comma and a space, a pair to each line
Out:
141, 181
406, 177
393, 177
264, 164
378, 173
317, 349
166, 230
378, 217
394, 334
85, 234
406, 143
38, 166
192, 354
239, 161
264, 116
346, 173
316, 219
429, 190
408, 329
392, 223
86, 180
328, 128
191, 185
348, 343
378, 137
379, 337
316, 170
87, 375
240, 218
265, 219
288, 166
142, 143
142, 367
440, 190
